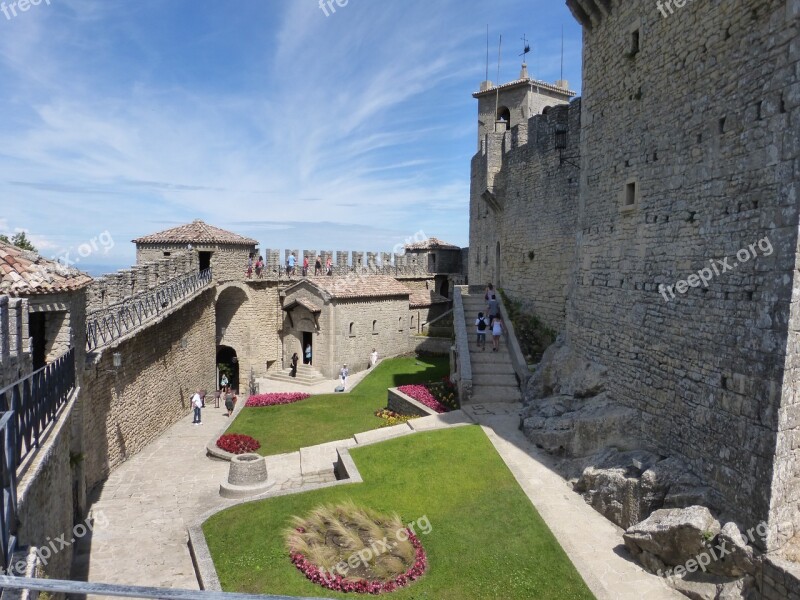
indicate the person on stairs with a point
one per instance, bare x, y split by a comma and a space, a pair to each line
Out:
482, 326
497, 331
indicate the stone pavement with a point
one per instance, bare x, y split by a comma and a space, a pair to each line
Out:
593, 543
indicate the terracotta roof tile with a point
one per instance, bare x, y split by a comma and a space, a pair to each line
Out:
24, 273
196, 232
432, 244
422, 298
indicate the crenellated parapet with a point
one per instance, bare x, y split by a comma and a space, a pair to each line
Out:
344, 262
115, 288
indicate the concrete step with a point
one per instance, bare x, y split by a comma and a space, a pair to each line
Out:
484, 394
494, 379
492, 368
477, 358
304, 376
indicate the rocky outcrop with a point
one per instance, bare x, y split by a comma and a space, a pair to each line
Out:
562, 372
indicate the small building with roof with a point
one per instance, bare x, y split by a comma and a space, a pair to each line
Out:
55, 318
225, 252
343, 319
436, 255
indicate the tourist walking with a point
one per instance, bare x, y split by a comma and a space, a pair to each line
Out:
305, 266
373, 358
343, 377
249, 266
482, 326
492, 308
318, 267
497, 331
295, 359
197, 405
307, 355
260, 267
292, 263
329, 266
223, 382
230, 401
489, 292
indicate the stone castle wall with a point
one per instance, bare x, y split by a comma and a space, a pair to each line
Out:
15, 358
250, 313
524, 207
128, 407
698, 130
228, 262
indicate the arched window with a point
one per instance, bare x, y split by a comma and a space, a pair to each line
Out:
412, 322
503, 114
400, 324
374, 328
352, 329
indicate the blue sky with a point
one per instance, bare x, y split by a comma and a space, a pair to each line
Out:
351, 131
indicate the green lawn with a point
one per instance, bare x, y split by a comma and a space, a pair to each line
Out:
331, 417
486, 539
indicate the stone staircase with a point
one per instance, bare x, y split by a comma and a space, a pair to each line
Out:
493, 376
306, 375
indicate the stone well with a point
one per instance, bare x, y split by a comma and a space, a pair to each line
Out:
247, 476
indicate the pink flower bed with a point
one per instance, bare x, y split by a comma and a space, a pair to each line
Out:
422, 394
275, 399
338, 583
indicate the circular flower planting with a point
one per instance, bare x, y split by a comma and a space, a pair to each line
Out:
236, 443
276, 399
346, 548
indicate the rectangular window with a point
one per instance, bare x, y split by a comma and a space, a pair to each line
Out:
630, 194
634, 42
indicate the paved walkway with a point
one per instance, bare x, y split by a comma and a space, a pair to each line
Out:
267, 386
149, 502
593, 543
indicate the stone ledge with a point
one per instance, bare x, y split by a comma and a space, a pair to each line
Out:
406, 405
384, 433
457, 418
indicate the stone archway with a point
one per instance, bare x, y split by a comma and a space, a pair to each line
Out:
228, 363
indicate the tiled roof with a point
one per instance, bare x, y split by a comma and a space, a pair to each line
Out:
356, 286
532, 82
432, 244
24, 273
196, 232
310, 306
422, 298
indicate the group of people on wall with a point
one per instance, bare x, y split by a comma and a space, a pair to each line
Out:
256, 265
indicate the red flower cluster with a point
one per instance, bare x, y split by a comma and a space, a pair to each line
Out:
422, 394
338, 583
275, 399
236, 443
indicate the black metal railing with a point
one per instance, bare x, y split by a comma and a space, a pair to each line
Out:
35, 400
8, 494
105, 325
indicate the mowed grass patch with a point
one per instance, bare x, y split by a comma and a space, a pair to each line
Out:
331, 417
486, 540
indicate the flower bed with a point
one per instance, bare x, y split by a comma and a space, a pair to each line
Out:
236, 443
422, 394
390, 417
276, 399
338, 583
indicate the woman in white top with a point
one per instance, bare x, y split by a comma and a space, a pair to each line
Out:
373, 358
497, 331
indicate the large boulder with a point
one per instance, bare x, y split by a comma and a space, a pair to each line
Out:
672, 536
571, 427
562, 372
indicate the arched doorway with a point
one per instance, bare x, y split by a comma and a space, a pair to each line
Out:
504, 116
228, 364
497, 281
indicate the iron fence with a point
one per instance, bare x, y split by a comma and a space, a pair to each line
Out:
34, 402
8, 494
105, 325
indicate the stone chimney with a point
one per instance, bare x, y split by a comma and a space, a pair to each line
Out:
523, 74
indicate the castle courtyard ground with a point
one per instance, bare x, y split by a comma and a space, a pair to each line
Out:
151, 500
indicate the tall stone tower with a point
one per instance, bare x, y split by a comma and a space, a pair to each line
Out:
504, 106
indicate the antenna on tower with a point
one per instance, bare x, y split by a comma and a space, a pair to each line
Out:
562, 53
526, 47
497, 85
487, 52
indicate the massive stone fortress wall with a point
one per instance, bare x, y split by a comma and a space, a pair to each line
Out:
690, 154
524, 206
127, 407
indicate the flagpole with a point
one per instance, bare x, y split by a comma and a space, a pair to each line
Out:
497, 85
